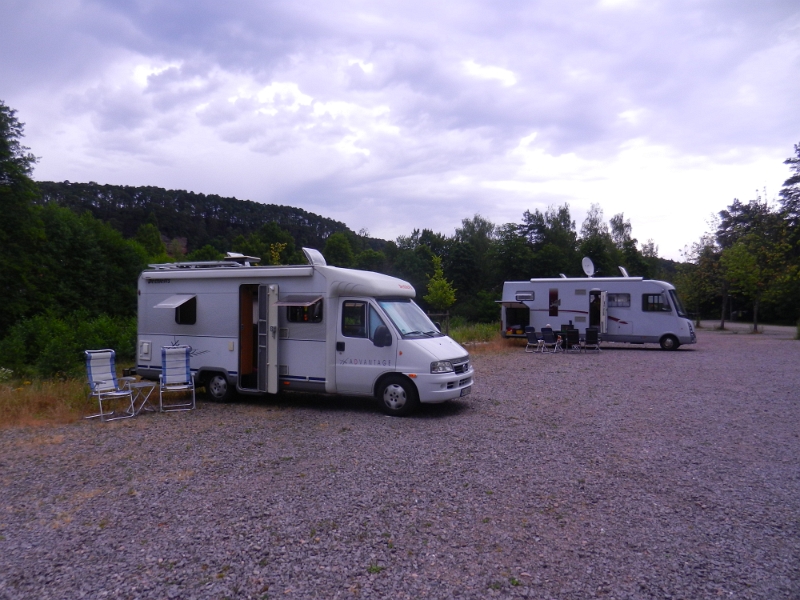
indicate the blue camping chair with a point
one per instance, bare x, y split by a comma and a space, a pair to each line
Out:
101, 371
176, 376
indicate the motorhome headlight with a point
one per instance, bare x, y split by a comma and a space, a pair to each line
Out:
441, 366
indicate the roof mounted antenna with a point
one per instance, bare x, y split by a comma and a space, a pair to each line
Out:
623, 271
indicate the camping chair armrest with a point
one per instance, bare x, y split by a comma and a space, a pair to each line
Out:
93, 385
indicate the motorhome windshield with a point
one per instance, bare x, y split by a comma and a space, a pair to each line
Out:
678, 306
409, 319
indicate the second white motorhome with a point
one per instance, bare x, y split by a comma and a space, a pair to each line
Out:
623, 309
312, 327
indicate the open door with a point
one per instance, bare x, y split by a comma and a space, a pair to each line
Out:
248, 336
603, 312
598, 310
268, 338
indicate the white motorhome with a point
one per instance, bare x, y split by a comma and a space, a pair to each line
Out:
317, 328
624, 309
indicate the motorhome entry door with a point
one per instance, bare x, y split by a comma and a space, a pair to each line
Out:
598, 310
268, 338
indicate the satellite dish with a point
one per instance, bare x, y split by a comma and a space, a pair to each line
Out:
588, 266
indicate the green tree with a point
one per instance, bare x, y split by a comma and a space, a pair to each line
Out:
207, 252
752, 266
553, 238
338, 251
264, 241
371, 260
468, 261
441, 294
21, 232
149, 238
87, 265
512, 258
698, 280
597, 244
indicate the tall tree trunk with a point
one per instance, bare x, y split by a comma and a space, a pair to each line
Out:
755, 315
724, 302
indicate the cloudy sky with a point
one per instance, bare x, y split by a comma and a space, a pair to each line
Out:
401, 114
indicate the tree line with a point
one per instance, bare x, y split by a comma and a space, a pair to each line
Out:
70, 249
749, 265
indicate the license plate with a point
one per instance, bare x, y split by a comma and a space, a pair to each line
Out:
466, 391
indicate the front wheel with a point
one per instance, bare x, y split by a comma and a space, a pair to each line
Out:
218, 389
397, 396
669, 342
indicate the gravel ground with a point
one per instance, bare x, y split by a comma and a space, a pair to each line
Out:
633, 473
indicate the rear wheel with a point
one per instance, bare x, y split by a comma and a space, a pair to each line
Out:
669, 342
218, 389
397, 396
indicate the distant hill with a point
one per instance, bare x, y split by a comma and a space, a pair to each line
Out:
198, 218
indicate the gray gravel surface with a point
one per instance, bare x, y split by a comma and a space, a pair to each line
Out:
633, 473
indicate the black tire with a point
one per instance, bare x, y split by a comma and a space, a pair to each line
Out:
218, 388
397, 396
669, 342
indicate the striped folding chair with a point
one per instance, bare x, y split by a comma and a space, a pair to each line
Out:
101, 371
176, 378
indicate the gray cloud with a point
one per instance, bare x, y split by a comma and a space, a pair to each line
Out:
408, 104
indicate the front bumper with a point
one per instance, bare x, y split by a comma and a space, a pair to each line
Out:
436, 388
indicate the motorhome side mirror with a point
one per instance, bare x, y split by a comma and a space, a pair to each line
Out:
382, 336
438, 325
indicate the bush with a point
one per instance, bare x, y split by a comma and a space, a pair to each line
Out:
50, 346
464, 332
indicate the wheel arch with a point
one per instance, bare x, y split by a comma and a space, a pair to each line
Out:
376, 387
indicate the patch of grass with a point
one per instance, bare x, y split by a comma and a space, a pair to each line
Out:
374, 569
26, 402
483, 338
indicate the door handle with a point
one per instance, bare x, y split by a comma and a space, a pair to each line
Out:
340, 346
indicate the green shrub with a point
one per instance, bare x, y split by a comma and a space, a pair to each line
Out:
48, 345
464, 332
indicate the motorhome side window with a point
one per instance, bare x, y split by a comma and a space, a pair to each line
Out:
305, 314
186, 313
655, 303
354, 319
619, 300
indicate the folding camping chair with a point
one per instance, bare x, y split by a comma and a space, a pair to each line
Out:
592, 339
550, 340
101, 371
573, 341
533, 340
176, 377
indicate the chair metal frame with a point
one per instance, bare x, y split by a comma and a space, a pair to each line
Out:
101, 372
534, 341
573, 341
176, 376
594, 344
550, 340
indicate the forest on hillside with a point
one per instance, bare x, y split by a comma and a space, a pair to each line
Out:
70, 253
